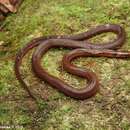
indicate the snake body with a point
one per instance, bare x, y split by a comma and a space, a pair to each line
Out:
80, 47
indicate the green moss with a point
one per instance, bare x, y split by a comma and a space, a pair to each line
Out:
109, 109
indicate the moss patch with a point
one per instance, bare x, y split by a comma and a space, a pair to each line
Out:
108, 110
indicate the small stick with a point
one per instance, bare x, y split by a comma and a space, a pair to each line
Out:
3, 9
8, 5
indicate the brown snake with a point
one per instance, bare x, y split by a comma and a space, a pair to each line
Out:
82, 48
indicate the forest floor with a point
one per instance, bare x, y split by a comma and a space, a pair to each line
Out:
108, 110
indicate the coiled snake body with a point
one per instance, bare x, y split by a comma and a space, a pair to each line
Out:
82, 47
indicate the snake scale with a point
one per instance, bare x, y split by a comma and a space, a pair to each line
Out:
80, 47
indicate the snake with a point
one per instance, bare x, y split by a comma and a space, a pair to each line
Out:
80, 46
